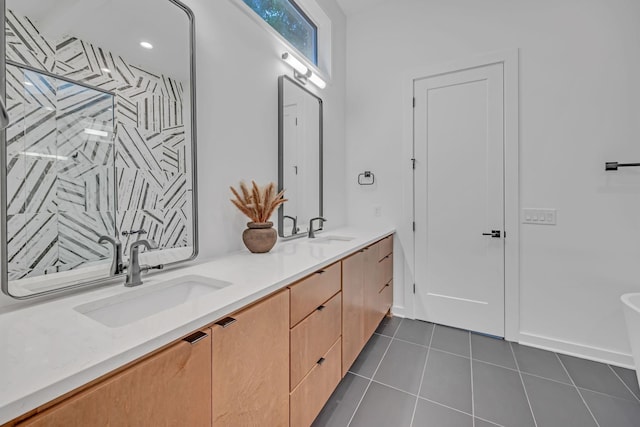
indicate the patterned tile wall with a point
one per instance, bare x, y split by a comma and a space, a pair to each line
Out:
66, 187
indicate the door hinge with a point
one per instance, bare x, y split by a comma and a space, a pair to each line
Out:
505, 234
414, 226
413, 163
414, 288
414, 102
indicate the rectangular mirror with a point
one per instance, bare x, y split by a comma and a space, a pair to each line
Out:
100, 147
300, 157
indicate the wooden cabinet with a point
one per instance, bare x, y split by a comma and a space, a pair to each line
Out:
367, 292
169, 388
316, 328
311, 338
274, 363
312, 291
308, 398
353, 335
251, 366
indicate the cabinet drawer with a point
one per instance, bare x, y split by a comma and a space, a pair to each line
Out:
385, 271
385, 298
315, 389
312, 338
385, 247
311, 292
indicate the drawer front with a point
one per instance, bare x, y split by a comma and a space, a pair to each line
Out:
310, 293
312, 338
313, 392
385, 271
386, 298
385, 247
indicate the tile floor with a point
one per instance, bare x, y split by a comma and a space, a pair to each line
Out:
414, 373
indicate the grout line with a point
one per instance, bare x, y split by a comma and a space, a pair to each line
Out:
577, 389
424, 369
373, 375
523, 386
473, 402
444, 406
625, 384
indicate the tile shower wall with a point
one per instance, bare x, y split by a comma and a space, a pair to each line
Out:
67, 187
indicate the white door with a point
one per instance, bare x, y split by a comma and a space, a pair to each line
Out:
459, 199
291, 161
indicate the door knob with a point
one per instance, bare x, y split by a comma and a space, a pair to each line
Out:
494, 233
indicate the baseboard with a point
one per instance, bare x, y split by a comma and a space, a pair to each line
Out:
399, 311
578, 350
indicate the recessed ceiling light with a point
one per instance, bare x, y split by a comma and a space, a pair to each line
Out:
146, 45
96, 132
106, 70
28, 83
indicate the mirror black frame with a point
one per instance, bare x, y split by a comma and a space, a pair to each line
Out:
3, 167
281, 81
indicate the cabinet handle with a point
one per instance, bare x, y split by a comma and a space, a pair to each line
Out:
322, 307
321, 272
321, 361
226, 322
194, 338
386, 257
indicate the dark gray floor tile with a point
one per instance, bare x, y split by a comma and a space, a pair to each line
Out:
499, 396
389, 326
451, 340
447, 380
630, 378
611, 411
343, 402
402, 366
483, 423
540, 362
371, 355
556, 404
415, 331
429, 414
384, 406
492, 350
595, 376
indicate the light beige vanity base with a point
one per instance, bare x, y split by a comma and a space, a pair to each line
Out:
272, 363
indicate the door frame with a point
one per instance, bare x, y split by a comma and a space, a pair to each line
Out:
510, 60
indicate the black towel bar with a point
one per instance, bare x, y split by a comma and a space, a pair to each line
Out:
613, 166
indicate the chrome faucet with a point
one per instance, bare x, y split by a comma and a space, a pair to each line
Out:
134, 269
294, 230
117, 266
312, 234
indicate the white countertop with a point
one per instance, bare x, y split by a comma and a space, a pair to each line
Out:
49, 349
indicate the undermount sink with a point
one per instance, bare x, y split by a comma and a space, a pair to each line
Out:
129, 307
330, 239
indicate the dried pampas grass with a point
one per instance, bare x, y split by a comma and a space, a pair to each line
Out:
257, 203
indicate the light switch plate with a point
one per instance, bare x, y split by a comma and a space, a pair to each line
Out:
539, 216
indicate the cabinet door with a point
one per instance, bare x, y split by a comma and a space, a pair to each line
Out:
170, 388
353, 338
371, 291
251, 366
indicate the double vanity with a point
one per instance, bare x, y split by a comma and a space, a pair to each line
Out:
241, 340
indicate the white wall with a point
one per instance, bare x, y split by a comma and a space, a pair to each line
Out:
579, 107
238, 64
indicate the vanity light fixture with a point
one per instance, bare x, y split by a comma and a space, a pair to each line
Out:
302, 72
146, 45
